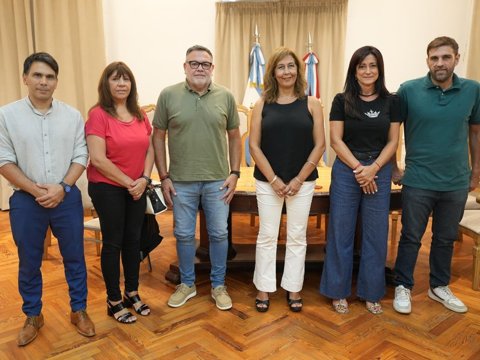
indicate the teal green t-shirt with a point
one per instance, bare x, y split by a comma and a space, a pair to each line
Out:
196, 127
436, 132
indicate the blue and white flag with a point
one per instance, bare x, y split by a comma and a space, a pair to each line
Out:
311, 75
255, 78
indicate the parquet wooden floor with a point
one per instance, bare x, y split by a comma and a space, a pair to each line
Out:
199, 331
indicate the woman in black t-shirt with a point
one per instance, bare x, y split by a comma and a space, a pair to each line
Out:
364, 128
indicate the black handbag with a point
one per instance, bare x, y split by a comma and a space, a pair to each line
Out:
150, 237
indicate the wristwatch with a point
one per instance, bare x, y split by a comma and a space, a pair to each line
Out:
235, 172
149, 181
66, 187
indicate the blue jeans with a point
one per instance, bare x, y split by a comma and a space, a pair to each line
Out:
347, 202
447, 209
185, 207
29, 222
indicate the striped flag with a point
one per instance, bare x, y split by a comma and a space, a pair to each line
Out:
255, 78
311, 74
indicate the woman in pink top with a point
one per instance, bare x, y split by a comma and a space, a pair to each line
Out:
121, 161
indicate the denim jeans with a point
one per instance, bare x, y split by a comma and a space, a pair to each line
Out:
29, 222
121, 220
185, 207
270, 213
446, 208
347, 202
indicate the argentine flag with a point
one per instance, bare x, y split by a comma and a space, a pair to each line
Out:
255, 78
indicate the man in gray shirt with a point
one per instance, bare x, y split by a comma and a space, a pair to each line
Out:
42, 154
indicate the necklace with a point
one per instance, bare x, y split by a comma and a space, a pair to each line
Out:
367, 95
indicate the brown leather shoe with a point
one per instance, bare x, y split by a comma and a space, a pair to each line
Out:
82, 322
30, 330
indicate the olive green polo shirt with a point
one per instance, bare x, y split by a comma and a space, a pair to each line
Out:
436, 132
196, 127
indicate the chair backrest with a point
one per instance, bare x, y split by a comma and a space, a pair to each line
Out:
246, 113
82, 184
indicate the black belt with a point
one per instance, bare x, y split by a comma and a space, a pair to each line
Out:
368, 155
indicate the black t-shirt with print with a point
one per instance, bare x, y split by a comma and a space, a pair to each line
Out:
370, 132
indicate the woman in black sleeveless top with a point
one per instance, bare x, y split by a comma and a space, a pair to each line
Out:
286, 141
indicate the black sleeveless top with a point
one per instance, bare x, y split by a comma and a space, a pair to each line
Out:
287, 139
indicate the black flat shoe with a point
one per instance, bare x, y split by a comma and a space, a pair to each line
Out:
262, 305
137, 304
114, 310
292, 302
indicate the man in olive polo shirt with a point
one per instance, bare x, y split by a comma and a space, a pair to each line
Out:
442, 113
198, 114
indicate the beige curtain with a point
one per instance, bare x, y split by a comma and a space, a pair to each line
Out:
287, 23
16, 43
234, 38
473, 62
72, 31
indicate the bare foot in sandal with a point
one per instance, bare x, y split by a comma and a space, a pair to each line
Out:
374, 307
340, 306
262, 301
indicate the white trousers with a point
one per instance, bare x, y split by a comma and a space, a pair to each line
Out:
270, 213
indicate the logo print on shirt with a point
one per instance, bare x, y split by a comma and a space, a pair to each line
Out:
372, 114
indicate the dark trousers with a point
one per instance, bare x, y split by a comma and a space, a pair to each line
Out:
447, 209
121, 220
29, 222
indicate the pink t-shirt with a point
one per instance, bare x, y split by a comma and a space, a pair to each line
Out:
126, 143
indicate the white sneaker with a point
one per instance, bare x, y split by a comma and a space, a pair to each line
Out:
444, 295
403, 300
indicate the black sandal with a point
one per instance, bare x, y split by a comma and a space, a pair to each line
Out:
264, 308
130, 301
292, 302
113, 310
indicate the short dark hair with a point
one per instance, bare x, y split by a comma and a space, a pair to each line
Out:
443, 41
199, 48
40, 57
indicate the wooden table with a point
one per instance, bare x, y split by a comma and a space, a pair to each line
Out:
242, 256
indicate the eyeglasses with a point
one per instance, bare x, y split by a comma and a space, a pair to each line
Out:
196, 64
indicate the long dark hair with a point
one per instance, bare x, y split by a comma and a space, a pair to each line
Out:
105, 99
352, 89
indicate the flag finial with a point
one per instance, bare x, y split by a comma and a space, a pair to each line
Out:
309, 43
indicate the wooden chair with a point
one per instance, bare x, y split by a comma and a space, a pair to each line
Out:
470, 226
394, 215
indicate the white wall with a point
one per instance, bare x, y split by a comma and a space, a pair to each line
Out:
401, 30
151, 36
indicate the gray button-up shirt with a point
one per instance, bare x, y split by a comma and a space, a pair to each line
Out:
43, 146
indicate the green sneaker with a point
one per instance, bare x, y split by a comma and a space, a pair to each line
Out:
181, 295
221, 297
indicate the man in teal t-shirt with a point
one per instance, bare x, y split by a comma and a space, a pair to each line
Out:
198, 116
441, 113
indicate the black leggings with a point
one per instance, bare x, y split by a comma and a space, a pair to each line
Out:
121, 220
